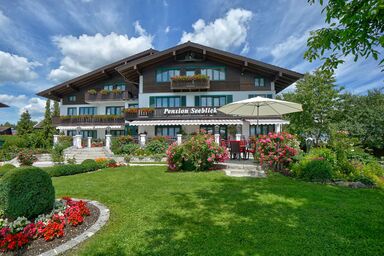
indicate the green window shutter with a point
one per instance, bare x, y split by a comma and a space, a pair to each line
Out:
229, 99
152, 101
183, 101
197, 101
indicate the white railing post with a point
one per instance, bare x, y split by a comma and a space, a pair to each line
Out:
217, 138
108, 141
143, 138
238, 136
78, 141
55, 139
74, 141
179, 139
89, 142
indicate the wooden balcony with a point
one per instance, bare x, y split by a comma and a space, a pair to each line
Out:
99, 97
89, 120
194, 85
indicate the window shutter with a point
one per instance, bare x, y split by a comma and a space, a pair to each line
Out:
197, 101
183, 101
229, 99
152, 101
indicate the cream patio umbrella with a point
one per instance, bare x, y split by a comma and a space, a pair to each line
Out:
259, 106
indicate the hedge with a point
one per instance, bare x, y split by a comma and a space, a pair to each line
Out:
26, 191
70, 169
5, 168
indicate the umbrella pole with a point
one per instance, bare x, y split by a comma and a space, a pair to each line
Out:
257, 121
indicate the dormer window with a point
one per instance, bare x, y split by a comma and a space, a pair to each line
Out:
259, 82
72, 98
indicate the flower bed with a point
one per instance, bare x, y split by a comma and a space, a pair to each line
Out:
60, 225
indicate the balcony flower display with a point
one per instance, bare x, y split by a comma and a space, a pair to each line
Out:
131, 110
190, 78
92, 92
117, 91
147, 110
105, 92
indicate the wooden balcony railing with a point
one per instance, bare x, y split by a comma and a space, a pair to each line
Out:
194, 85
94, 97
89, 120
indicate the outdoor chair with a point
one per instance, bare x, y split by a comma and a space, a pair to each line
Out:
235, 149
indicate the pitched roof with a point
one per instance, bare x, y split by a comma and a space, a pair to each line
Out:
281, 76
128, 67
2, 105
95, 75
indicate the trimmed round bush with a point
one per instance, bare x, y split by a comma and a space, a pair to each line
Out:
317, 170
90, 165
26, 191
5, 168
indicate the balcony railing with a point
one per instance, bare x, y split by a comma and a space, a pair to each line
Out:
89, 120
194, 85
111, 96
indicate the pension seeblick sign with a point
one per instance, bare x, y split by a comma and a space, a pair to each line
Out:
190, 111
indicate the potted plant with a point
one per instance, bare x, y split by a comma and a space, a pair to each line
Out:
105, 92
131, 112
117, 91
92, 92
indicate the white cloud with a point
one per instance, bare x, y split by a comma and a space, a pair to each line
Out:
14, 68
4, 20
290, 45
245, 49
222, 33
167, 29
34, 105
84, 53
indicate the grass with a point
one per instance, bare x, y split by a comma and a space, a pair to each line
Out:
158, 213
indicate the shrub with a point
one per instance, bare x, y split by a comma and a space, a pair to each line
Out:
199, 153
102, 162
316, 170
130, 149
118, 144
26, 191
277, 150
68, 169
57, 152
5, 168
26, 157
90, 165
156, 146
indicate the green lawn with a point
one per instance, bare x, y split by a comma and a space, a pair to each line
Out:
158, 213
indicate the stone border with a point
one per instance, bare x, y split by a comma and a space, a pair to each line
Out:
101, 221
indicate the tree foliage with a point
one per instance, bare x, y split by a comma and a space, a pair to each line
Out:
362, 116
56, 109
25, 124
47, 128
355, 28
318, 95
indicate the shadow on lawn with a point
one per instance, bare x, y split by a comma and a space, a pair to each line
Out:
255, 217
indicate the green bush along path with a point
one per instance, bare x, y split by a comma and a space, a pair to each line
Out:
154, 212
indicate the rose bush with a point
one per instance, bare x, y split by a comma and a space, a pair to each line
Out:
276, 150
199, 153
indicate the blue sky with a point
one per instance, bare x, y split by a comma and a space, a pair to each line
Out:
45, 42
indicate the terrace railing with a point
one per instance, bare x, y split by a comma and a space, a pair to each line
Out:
89, 119
111, 96
194, 85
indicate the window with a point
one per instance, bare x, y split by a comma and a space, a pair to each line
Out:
114, 110
267, 95
210, 129
263, 129
108, 87
71, 111
87, 111
190, 72
120, 87
170, 131
72, 98
212, 101
89, 133
165, 75
133, 105
215, 74
167, 101
71, 133
116, 133
259, 82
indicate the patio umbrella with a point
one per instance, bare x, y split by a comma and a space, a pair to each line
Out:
259, 106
